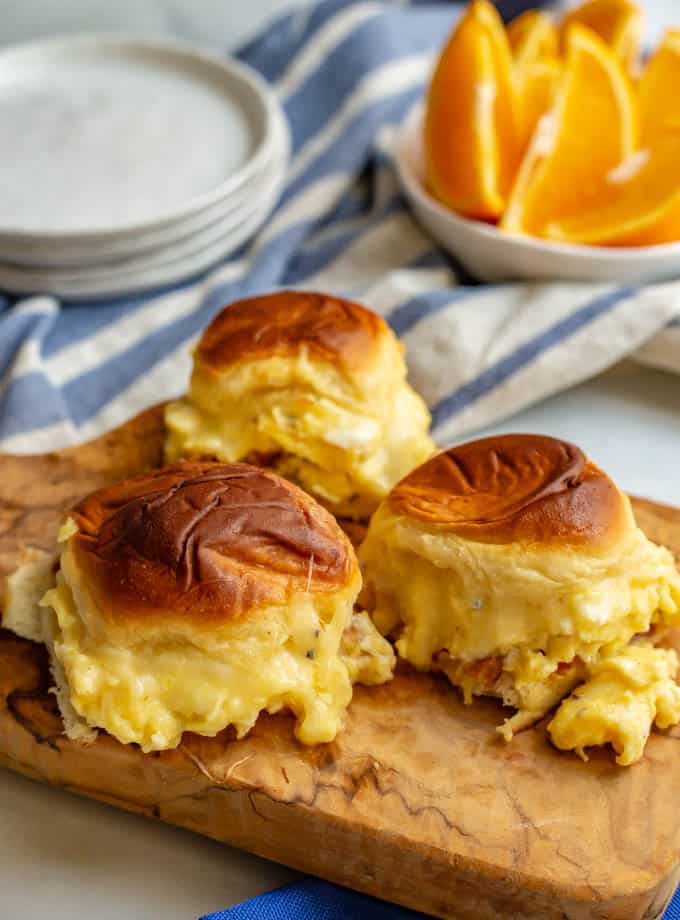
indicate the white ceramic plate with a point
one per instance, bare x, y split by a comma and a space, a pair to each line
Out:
57, 277
123, 282
115, 136
171, 264
493, 255
96, 253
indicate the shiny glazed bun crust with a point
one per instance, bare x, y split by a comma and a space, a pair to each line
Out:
516, 487
331, 329
205, 541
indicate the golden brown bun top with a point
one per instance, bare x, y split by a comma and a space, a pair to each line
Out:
206, 541
515, 487
330, 328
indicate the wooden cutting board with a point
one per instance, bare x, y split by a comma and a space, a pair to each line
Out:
417, 801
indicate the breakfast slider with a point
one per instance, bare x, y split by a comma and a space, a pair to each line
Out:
310, 385
196, 596
515, 566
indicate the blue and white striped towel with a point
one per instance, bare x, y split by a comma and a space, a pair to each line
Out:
346, 73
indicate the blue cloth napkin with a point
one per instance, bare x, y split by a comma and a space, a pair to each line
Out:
673, 909
312, 899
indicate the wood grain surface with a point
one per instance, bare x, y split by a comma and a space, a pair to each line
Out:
417, 801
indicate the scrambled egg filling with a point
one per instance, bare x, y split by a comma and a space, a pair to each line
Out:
348, 450
299, 657
532, 686
152, 693
626, 695
368, 657
524, 625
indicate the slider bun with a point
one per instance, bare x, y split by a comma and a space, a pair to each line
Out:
513, 564
515, 488
197, 546
199, 595
330, 329
312, 386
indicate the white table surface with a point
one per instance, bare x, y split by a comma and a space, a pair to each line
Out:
63, 857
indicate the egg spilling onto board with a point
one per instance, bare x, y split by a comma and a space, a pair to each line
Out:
514, 566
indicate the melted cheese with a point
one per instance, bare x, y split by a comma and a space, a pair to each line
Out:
303, 657
340, 445
541, 617
626, 695
150, 694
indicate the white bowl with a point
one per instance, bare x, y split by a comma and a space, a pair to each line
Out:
490, 254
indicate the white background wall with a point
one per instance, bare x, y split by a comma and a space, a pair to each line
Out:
222, 23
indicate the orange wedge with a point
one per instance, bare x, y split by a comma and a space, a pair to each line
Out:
589, 131
619, 23
642, 209
470, 122
532, 36
519, 27
657, 92
536, 69
536, 94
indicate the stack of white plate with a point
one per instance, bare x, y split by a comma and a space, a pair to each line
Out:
127, 165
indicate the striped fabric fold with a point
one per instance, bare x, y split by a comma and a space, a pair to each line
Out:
346, 73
